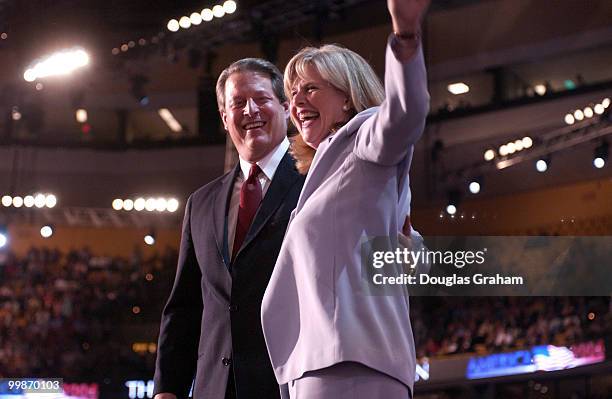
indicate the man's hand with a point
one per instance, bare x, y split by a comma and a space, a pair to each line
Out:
407, 15
165, 395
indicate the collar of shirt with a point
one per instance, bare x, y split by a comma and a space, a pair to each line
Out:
269, 163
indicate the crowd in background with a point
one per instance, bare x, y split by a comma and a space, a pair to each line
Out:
77, 315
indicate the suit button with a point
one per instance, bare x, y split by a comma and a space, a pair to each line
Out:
233, 308
226, 361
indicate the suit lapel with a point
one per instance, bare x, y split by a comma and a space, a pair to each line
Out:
284, 178
220, 213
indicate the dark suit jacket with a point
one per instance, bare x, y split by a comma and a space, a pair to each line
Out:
212, 318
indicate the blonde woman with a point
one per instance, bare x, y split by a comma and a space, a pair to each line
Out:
326, 336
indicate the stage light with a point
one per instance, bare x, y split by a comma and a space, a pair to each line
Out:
39, 86
172, 123
50, 201
17, 202
218, 11
46, 231
605, 102
588, 112
172, 205
540, 89
601, 155
578, 115
161, 205
139, 204
3, 239
207, 14
458, 88
3, 36
81, 115
195, 18
451, 209
184, 22
569, 119
541, 165
149, 239
511, 148
60, 63
503, 150
518, 144
173, 25
142, 42
7, 200
128, 205
124, 47
40, 200
117, 204
474, 187
599, 109
489, 155
150, 204
527, 142
28, 201
229, 6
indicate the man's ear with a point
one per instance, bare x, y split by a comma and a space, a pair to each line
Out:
286, 108
223, 118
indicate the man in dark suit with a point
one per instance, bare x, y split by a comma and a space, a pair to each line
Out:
232, 232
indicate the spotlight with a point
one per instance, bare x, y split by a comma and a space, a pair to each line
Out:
451, 209
161, 205
207, 14
40, 200
139, 204
527, 142
601, 155
81, 115
229, 6
588, 112
46, 231
458, 88
454, 197
15, 114
50, 201
195, 18
218, 11
151, 204
569, 119
599, 109
605, 102
518, 144
578, 115
173, 25
172, 205
489, 155
503, 150
185, 22
3, 238
474, 187
117, 204
17, 202
511, 148
60, 63
542, 165
128, 205
149, 239
540, 89
7, 200
28, 201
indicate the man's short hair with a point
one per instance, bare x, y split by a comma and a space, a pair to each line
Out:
256, 65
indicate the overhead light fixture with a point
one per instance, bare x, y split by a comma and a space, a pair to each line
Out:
172, 123
46, 231
149, 239
3, 237
458, 88
185, 22
569, 119
81, 115
601, 154
475, 186
60, 63
7, 200
207, 15
540, 89
173, 25
229, 6
489, 155
542, 165
195, 18
218, 11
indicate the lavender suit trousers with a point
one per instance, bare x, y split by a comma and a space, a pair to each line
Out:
347, 380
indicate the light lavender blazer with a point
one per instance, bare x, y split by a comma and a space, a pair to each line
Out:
316, 311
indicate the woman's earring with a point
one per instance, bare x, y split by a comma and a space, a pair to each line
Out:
345, 107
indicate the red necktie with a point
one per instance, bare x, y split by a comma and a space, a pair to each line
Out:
250, 198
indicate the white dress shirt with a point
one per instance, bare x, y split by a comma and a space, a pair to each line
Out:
268, 166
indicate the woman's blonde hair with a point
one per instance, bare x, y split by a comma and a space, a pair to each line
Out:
344, 69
